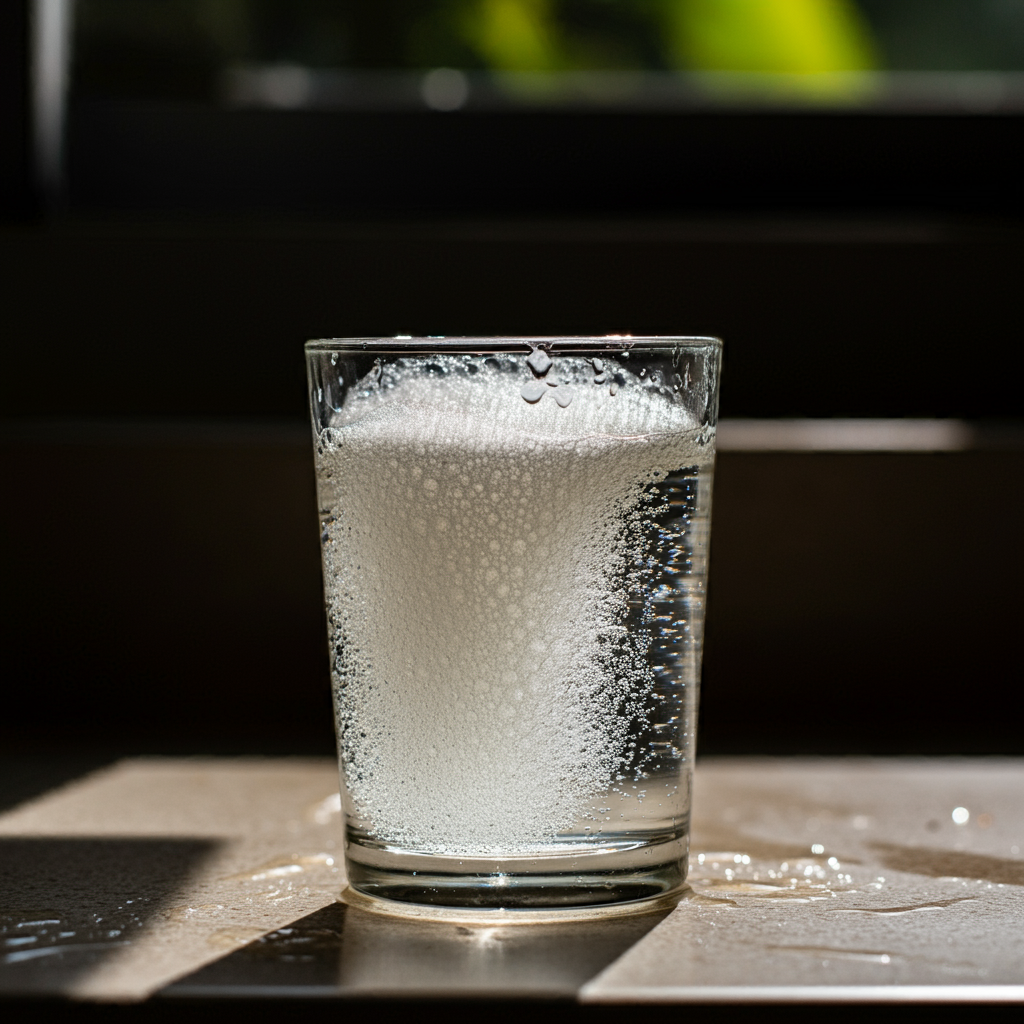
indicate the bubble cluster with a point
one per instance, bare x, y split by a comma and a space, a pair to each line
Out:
482, 559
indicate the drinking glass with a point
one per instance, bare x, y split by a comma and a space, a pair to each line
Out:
515, 544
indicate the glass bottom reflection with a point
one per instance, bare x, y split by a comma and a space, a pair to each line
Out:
348, 951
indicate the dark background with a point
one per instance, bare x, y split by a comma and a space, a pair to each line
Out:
161, 583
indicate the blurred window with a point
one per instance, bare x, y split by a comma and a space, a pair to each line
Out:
645, 54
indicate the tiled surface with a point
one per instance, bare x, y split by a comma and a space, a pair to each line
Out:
811, 880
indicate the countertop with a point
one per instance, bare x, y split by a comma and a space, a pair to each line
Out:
812, 881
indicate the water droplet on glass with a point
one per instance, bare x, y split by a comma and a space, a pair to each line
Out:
533, 392
563, 397
539, 361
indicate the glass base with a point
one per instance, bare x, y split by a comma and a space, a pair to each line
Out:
519, 891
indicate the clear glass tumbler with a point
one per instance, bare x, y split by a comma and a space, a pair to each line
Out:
515, 541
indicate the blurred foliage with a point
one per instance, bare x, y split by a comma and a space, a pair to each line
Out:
781, 36
808, 43
179, 48
514, 35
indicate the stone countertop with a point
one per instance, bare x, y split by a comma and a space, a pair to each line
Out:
844, 880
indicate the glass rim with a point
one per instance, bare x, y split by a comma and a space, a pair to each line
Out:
483, 345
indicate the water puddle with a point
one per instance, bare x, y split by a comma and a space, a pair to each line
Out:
833, 952
794, 890
708, 901
283, 867
911, 909
951, 864
33, 937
